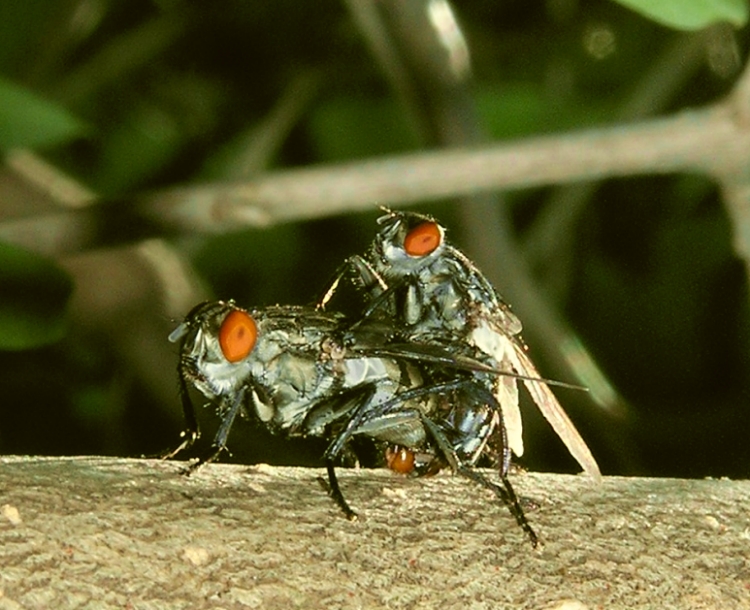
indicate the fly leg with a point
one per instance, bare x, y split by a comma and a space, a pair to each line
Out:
335, 491
365, 275
506, 492
363, 413
379, 293
482, 394
191, 433
368, 279
220, 440
367, 411
333, 451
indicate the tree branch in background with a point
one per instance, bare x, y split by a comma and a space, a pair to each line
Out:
714, 141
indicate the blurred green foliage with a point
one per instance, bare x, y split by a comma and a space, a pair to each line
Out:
33, 299
128, 97
27, 121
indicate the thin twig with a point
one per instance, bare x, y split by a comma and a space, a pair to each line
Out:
735, 181
714, 141
708, 141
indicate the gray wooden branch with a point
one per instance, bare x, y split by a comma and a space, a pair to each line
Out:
714, 140
117, 533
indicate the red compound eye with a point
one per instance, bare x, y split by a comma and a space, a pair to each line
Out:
237, 335
423, 239
400, 459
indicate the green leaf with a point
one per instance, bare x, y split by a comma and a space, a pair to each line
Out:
28, 121
33, 295
691, 14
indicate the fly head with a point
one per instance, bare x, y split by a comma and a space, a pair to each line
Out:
406, 243
215, 339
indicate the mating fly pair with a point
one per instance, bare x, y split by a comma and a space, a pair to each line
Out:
429, 368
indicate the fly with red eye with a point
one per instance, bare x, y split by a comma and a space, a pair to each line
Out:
302, 372
431, 291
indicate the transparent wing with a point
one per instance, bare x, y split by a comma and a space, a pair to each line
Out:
434, 354
553, 412
506, 393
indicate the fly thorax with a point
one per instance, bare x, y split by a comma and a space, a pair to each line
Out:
298, 376
448, 309
290, 386
438, 297
489, 340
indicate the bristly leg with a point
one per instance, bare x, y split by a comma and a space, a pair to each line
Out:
507, 494
333, 489
191, 433
220, 440
365, 411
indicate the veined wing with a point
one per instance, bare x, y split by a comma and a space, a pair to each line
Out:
434, 354
554, 413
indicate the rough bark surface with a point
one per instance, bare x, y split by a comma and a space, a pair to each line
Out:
117, 533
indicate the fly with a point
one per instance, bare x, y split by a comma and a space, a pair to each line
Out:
304, 372
436, 295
